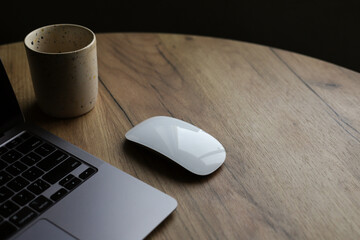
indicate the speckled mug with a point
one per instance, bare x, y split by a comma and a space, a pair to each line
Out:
63, 65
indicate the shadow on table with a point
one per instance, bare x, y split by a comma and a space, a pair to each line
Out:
147, 158
162, 165
34, 114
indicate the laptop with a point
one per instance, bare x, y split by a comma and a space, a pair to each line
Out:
50, 189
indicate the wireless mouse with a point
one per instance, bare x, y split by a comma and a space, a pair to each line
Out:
182, 142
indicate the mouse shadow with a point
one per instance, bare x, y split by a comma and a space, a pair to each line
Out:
162, 165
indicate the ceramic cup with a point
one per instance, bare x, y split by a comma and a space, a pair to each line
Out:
63, 65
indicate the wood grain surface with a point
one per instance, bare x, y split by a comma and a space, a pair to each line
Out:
290, 125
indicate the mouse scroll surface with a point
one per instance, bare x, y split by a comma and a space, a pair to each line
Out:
185, 144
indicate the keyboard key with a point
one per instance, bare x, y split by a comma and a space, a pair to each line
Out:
2, 164
31, 159
52, 160
66, 179
87, 173
32, 173
45, 149
72, 183
58, 195
40, 204
6, 230
3, 150
29, 145
23, 217
38, 187
61, 170
5, 194
11, 156
4, 177
23, 197
16, 168
17, 184
8, 208
13, 143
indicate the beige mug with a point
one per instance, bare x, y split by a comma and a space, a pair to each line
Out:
63, 65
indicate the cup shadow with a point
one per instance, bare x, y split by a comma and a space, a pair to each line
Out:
34, 114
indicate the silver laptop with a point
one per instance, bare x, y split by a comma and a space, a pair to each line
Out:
50, 189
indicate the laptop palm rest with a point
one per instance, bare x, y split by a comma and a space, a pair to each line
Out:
111, 205
44, 230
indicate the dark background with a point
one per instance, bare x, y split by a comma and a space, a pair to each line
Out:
329, 30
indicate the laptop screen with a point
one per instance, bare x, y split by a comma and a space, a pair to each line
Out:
10, 111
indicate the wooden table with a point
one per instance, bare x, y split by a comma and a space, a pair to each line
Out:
290, 125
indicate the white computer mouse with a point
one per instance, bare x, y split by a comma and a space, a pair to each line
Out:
182, 142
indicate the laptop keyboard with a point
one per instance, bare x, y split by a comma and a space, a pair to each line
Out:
34, 175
